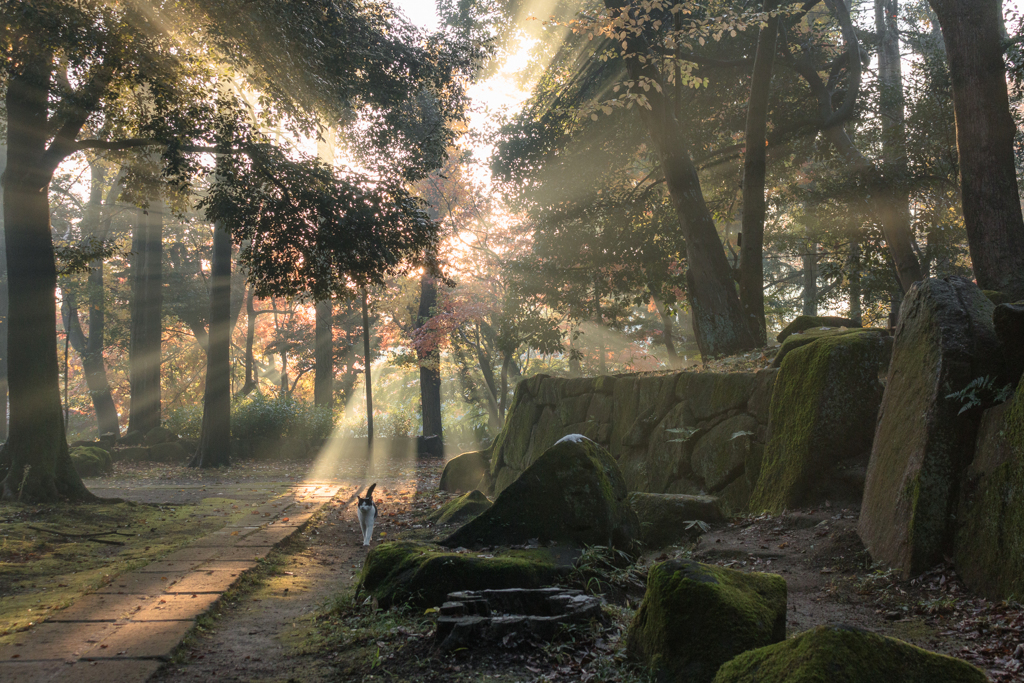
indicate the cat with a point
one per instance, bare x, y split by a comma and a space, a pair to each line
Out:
366, 511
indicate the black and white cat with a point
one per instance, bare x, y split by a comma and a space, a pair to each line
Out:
366, 510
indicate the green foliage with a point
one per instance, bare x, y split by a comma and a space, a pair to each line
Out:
981, 391
258, 416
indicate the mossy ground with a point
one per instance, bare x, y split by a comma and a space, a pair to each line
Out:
41, 572
845, 655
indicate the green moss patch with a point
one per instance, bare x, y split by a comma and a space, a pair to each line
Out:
422, 575
806, 322
840, 654
695, 617
573, 494
461, 509
823, 411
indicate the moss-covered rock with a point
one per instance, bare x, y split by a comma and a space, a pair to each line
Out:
710, 394
1008, 321
812, 335
663, 517
720, 455
841, 654
574, 494
466, 471
760, 401
513, 441
159, 435
422, 575
90, 461
823, 411
806, 322
669, 450
923, 443
130, 454
169, 452
695, 617
461, 509
989, 552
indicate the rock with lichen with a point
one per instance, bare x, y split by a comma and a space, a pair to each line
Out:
842, 654
90, 461
573, 494
924, 440
695, 617
460, 510
806, 322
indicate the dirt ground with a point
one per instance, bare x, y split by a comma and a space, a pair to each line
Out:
297, 620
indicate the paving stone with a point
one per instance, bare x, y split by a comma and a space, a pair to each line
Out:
208, 581
177, 607
192, 554
31, 672
266, 537
105, 671
246, 553
227, 565
150, 639
142, 583
169, 567
101, 607
295, 520
218, 539
56, 641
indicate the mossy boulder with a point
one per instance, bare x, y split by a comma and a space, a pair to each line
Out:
170, 452
90, 461
989, 554
720, 455
664, 517
130, 454
812, 335
923, 442
1008, 321
461, 509
573, 494
159, 435
841, 654
823, 411
422, 575
806, 322
466, 471
512, 444
695, 617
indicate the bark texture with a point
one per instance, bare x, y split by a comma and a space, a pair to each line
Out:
215, 439
368, 373
323, 380
146, 317
972, 31
430, 366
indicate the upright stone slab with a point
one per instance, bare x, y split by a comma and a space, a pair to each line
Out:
823, 411
923, 443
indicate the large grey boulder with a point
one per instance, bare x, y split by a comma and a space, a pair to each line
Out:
573, 495
466, 472
923, 442
667, 519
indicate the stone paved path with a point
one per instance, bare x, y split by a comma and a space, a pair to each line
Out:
123, 632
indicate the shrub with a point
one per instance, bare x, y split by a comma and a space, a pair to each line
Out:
259, 416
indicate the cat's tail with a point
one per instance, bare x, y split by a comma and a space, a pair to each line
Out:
369, 491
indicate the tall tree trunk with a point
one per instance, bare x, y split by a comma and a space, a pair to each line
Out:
894, 200
250, 338
972, 31
366, 367
602, 360
35, 463
666, 322
3, 307
755, 160
146, 320
810, 294
854, 267
718, 320
323, 380
506, 362
215, 439
430, 362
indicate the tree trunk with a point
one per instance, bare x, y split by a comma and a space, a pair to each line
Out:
366, 368
894, 200
3, 308
35, 463
250, 337
855, 288
718, 320
972, 31
215, 439
755, 161
323, 381
146, 323
666, 321
810, 294
505, 363
430, 363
